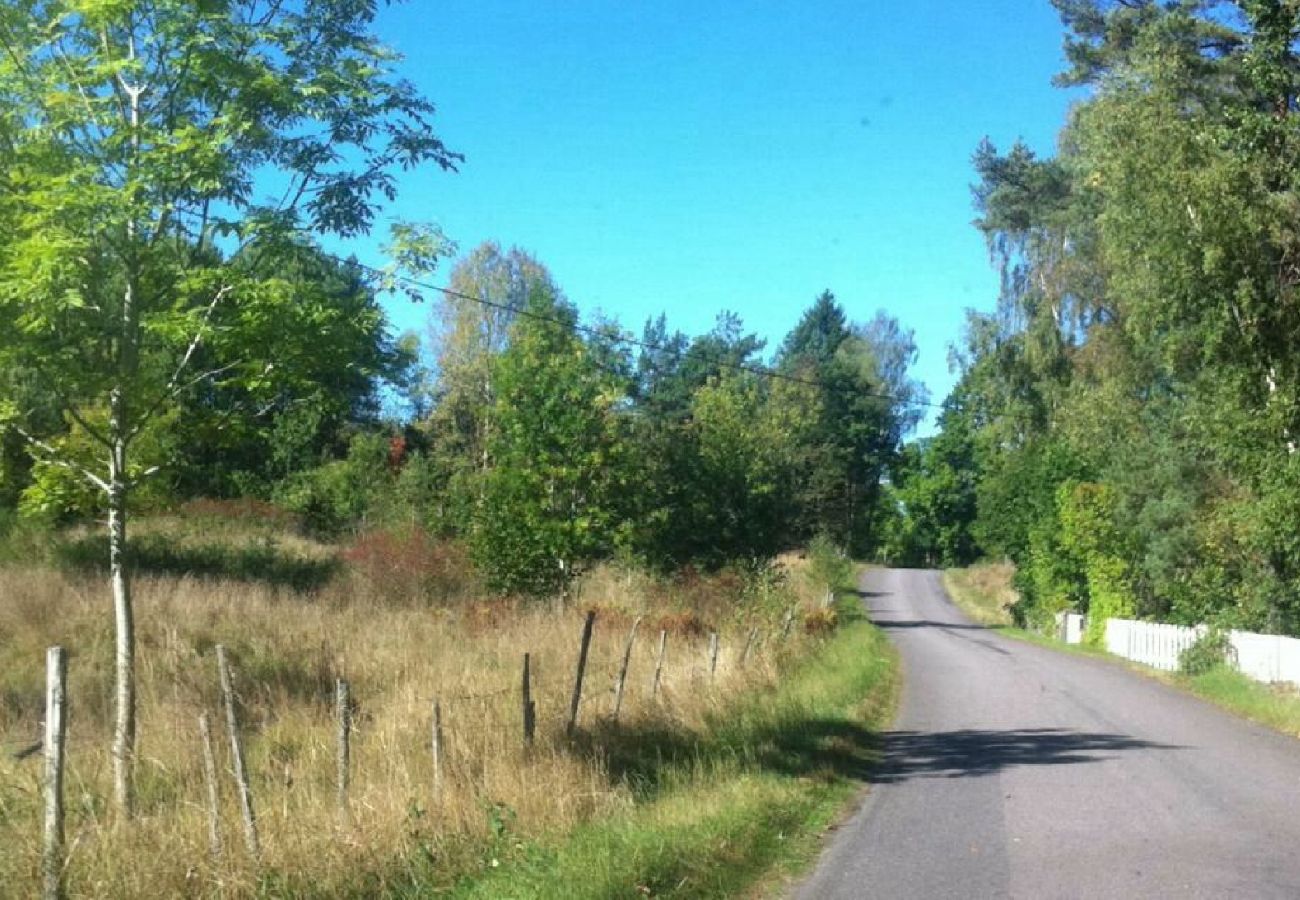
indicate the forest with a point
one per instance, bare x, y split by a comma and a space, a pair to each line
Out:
1125, 424
537, 443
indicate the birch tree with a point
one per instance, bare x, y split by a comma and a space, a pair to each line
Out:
148, 147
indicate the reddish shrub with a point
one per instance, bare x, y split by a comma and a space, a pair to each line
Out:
489, 615
686, 623
820, 621
612, 617
410, 565
396, 452
711, 597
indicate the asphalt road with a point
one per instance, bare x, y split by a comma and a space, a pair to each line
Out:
1018, 771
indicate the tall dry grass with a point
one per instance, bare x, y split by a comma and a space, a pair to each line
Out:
984, 591
399, 654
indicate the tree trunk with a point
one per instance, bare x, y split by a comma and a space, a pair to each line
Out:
124, 626
119, 438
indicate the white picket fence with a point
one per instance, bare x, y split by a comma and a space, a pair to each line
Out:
1263, 657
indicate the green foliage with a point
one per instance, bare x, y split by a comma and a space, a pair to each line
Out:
341, 494
828, 565
1091, 534
855, 433
1210, 651
1132, 402
933, 487
549, 501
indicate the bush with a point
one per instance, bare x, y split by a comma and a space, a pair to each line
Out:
1210, 651
821, 621
409, 565
337, 496
828, 565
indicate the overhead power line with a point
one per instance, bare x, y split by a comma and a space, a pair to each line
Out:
610, 335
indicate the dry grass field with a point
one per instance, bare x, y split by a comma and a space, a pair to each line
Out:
983, 591
396, 618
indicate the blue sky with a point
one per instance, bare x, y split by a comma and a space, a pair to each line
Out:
693, 157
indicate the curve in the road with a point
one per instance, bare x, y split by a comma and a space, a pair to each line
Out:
1018, 771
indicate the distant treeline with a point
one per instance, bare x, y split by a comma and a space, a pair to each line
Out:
1126, 423
543, 442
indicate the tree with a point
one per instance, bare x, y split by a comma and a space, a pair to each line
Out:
158, 156
556, 468
1135, 397
321, 324
853, 369
470, 329
935, 484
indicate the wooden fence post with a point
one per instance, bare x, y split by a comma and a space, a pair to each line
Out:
622, 672
713, 653
659, 662
582, 668
56, 708
210, 780
343, 714
237, 756
749, 646
435, 739
529, 707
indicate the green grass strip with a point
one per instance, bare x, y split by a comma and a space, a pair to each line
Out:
749, 806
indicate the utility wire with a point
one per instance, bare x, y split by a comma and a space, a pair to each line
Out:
603, 334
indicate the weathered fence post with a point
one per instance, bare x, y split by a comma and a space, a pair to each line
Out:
210, 779
659, 662
582, 668
713, 653
343, 714
749, 646
622, 672
785, 625
56, 708
435, 740
529, 707
237, 755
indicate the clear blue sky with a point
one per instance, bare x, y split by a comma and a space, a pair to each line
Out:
693, 157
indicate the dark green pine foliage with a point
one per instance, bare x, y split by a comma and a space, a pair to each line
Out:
851, 440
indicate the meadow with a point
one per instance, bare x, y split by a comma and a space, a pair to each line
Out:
400, 617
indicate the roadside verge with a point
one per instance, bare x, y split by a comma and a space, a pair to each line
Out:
982, 593
743, 807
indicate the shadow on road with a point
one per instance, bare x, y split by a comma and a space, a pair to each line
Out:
890, 624
952, 628
964, 753
828, 749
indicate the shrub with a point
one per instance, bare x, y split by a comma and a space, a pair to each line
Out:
828, 565
337, 496
821, 621
1208, 652
408, 565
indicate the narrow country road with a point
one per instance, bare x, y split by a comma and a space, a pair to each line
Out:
1018, 771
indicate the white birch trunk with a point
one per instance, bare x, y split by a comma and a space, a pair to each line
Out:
123, 620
